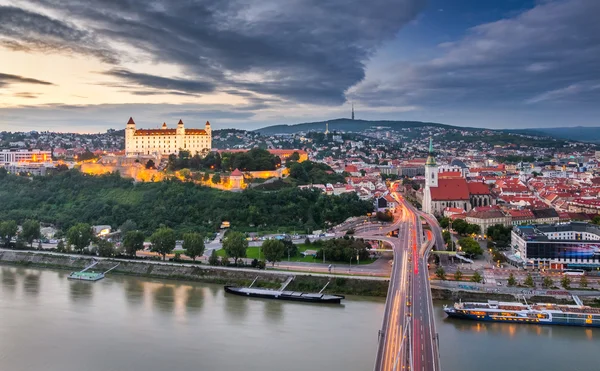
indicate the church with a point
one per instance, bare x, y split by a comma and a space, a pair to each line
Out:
451, 189
165, 141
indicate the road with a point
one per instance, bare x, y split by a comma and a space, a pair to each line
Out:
407, 339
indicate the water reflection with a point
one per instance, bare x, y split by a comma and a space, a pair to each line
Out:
273, 310
31, 282
164, 297
194, 299
9, 279
81, 291
134, 291
236, 308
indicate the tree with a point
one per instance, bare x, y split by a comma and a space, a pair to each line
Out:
216, 179
163, 241
133, 241
128, 225
458, 275
8, 230
213, 259
150, 164
235, 245
440, 273
60, 247
547, 283
470, 247
529, 281
105, 248
206, 177
512, 280
565, 282
583, 282
460, 226
80, 235
193, 244
473, 229
476, 277
31, 231
444, 222
224, 261
596, 219
273, 250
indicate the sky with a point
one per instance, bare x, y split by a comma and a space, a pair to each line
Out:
66, 65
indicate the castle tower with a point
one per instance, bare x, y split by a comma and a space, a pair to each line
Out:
129, 133
431, 179
208, 129
180, 134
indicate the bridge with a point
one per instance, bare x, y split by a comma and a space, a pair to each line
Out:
407, 339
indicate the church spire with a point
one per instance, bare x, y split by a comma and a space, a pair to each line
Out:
431, 157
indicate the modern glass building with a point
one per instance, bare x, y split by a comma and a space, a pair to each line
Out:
556, 246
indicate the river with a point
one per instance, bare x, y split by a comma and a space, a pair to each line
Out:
127, 323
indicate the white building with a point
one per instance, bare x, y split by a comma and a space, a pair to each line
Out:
25, 155
165, 141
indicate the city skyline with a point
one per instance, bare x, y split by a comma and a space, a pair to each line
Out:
243, 64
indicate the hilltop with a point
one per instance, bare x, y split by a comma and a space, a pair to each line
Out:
578, 133
347, 125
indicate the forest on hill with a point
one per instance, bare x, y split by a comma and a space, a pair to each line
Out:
68, 198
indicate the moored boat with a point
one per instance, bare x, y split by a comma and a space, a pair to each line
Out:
283, 294
516, 312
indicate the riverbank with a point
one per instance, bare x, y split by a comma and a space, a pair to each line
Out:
345, 285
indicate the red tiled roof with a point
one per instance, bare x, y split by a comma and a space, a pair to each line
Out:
450, 174
130, 122
207, 123
195, 132
155, 132
237, 172
450, 189
476, 188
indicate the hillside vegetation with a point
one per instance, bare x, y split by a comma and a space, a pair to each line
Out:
71, 197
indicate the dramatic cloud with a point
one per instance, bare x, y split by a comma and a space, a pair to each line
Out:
6, 79
301, 50
162, 83
23, 30
547, 54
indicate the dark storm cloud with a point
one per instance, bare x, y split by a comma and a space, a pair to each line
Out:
23, 30
7, 79
547, 54
301, 50
162, 83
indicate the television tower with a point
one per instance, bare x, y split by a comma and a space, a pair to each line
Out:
353, 111
326, 128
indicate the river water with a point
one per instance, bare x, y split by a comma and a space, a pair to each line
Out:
126, 323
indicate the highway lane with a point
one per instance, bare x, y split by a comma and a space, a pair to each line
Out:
419, 352
407, 338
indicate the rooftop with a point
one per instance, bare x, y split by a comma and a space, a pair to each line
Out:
539, 232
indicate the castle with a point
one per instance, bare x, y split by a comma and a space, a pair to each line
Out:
165, 141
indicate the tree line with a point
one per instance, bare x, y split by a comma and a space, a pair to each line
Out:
256, 159
69, 198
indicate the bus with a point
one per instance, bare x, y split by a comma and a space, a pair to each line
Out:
573, 272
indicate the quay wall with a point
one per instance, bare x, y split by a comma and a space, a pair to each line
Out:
197, 272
